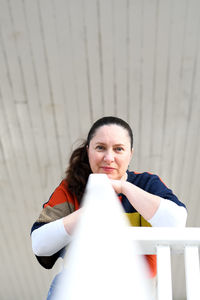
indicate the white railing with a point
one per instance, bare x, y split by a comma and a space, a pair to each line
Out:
103, 263
163, 242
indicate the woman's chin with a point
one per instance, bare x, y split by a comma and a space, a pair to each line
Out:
110, 175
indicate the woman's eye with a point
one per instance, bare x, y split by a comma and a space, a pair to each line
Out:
99, 147
119, 149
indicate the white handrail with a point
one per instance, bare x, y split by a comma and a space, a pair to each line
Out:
176, 238
162, 241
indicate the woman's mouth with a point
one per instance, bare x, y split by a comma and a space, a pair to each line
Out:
108, 169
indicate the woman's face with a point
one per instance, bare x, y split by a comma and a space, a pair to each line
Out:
109, 151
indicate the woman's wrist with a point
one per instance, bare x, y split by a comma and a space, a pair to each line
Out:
124, 185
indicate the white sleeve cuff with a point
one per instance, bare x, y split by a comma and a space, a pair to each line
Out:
169, 214
50, 238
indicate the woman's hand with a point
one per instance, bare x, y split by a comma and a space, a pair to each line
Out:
117, 185
145, 203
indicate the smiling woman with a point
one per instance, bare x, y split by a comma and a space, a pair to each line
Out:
110, 151
146, 200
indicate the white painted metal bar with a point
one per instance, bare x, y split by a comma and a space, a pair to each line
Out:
164, 289
192, 272
177, 238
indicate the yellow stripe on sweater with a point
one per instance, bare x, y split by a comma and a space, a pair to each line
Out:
136, 219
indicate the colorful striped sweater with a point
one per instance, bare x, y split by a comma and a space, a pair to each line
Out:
62, 203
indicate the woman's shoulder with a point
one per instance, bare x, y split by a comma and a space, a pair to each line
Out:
61, 194
133, 175
145, 180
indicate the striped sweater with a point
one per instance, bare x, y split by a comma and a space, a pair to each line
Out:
62, 203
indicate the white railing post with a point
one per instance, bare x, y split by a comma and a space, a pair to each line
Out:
164, 288
192, 272
162, 241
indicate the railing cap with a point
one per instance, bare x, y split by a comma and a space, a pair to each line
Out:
177, 239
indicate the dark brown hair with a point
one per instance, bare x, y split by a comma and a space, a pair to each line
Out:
79, 168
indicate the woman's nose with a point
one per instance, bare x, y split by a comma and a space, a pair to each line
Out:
109, 157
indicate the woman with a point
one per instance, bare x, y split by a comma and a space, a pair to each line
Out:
145, 198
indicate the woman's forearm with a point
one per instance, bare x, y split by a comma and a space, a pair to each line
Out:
49, 238
145, 203
156, 210
53, 236
71, 220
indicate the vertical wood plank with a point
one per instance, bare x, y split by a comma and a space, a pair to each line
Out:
120, 56
105, 15
161, 56
66, 65
56, 83
80, 67
135, 75
191, 159
177, 21
185, 144
51, 164
94, 57
148, 78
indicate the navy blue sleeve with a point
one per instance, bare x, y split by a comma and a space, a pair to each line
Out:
48, 261
37, 225
157, 187
152, 184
